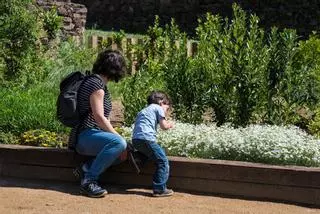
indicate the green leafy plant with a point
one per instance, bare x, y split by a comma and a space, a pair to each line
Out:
149, 76
41, 137
117, 37
26, 109
52, 23
314, 124
281, 76
18, 36
135, 90
182, 78
233, 59
9, 138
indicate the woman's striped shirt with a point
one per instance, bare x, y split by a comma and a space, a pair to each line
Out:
89, 85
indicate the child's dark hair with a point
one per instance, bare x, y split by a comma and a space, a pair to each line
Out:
157, 97
111, 64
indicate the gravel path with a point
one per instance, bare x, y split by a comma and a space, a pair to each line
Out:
35, 196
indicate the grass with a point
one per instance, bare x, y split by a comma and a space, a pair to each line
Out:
90, 32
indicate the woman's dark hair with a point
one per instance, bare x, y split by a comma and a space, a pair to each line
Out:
158, 96
111, 64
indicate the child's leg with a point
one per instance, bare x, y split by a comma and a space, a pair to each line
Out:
157, 154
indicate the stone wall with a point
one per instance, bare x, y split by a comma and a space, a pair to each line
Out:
137, 15
75, 15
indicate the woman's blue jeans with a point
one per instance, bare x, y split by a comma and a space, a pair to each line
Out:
156, 153
105, 146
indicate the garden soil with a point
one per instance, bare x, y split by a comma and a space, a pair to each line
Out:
35, 196
23, 196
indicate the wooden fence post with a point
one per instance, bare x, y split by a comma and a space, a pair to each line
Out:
93, 41
134, 41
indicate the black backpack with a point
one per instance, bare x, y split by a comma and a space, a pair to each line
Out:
67, 108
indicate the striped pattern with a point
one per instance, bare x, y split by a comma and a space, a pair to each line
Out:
90, 85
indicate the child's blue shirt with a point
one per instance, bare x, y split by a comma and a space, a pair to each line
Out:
145, 127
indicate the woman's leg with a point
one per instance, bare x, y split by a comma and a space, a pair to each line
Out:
105, 146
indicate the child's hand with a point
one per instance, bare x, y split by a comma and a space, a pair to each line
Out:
170, 125
164, 124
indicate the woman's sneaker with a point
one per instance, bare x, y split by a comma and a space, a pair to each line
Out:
92, 189
164, 193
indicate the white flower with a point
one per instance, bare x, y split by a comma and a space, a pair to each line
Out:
259, 143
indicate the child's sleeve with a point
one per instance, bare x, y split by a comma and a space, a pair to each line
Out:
160, 114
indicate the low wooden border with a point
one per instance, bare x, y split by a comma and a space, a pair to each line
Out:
238, 179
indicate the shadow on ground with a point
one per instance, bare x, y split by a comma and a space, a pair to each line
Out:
71, 188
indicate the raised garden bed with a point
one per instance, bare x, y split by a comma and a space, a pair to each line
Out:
231, 178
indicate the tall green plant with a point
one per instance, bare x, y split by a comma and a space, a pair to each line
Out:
25, 36
281, 75
234, 57
52, 23
18, 36
149, 77
182, 79
136, 88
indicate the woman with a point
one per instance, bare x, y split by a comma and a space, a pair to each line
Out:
95, 135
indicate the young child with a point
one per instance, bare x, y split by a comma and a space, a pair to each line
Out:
144, 139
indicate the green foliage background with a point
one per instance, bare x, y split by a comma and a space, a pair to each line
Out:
244, 74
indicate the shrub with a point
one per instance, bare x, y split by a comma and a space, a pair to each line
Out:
41, 137
52, 23
314, 124
149, 77
233, 57
24, 109
18, 35
23, 27
66, 58
183, 80
8, 138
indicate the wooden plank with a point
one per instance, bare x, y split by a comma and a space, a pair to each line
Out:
296, 184
241, 189
183, 167
248, 190
179, 167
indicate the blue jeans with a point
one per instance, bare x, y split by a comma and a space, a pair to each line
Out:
156, 153
105, 146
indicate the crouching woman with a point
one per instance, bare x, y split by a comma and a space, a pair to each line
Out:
95, 136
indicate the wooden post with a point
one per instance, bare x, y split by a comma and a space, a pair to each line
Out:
100, 41
93, 41
189, 48
134, 41
123, 47
177, 44
194, 48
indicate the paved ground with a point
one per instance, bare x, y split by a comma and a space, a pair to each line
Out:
34, 196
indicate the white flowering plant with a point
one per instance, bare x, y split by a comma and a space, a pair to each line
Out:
278, 145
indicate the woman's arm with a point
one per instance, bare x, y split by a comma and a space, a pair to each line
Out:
96, 103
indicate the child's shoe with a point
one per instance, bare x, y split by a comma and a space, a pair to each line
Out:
164, 193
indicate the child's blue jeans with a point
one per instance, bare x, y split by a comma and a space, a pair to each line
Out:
105, 146
156, 153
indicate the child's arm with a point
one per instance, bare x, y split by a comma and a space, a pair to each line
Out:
164, 124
